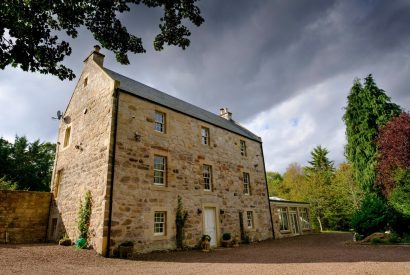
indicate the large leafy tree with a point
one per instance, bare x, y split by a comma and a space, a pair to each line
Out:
28, 165
368, 109
393, 168
274, 181
29, 29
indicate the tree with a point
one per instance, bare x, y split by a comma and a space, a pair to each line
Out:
292, 186
393, 144
274, 181
393, 168
368, 109
28, 30
29, 165
320, 161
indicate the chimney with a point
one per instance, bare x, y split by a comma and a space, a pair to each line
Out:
223, 112
96, 56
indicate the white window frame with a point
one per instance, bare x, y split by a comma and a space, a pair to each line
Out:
242, 145
205, 136
283, 217
246, 183
160, 172
160, 223
207, 177
159, 121
304, 218
249, 219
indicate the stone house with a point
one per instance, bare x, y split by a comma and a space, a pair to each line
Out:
137, 149
290, 218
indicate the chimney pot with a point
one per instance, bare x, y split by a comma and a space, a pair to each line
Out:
96, 56
97, 48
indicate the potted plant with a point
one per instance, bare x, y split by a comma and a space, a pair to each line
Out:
126, 249
226, 239
206, 243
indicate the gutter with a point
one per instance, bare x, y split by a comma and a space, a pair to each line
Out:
267, 193
117, 97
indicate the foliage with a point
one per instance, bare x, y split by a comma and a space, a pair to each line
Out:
368, 109
206, 238
320, 161
226, 236
274, 181
293, 183
372, 216
399, 198
27, 164
84, 215
393, 143
333, 196
29, 28
180, 220
7, 185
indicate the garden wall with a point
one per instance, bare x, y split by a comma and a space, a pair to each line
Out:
23, 216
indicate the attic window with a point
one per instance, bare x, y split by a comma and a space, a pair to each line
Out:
85, 81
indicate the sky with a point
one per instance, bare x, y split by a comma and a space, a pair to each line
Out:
283, 68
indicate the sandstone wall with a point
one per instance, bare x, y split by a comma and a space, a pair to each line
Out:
84, 163
23, 216
136, 198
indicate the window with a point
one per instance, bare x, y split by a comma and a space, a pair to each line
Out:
283, 218
246, 186
249, 218
243, 148
159, 223
159, 170
57, 183
85, 81
304, 218
67, 136
205, 136
207, 174
159, 122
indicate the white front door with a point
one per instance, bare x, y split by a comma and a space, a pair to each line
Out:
210, 225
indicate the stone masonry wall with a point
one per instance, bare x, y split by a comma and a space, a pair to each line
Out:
23, 216
84, 163
136, 198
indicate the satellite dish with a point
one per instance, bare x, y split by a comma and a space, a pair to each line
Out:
59, 115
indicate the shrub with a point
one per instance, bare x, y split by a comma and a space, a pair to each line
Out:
372, 216
84, 215
226, 236
376, 241
206, 237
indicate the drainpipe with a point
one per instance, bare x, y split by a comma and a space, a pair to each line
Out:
267, 190
116, 112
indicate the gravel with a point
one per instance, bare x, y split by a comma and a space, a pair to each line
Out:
326, 253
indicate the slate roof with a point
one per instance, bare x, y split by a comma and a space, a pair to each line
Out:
143, 91
277, 199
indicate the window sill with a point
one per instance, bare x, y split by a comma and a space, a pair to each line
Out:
158, 187
159, 237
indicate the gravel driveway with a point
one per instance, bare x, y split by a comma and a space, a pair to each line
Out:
326, 253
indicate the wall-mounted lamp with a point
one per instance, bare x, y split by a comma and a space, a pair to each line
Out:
199, 211
221, 211
255, 165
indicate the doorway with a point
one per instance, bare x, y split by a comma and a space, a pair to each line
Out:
210, 224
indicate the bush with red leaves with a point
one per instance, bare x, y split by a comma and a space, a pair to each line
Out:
393, 145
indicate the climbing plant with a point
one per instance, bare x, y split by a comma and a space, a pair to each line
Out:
180, 220
84, 215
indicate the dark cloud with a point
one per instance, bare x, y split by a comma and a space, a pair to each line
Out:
255, 57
